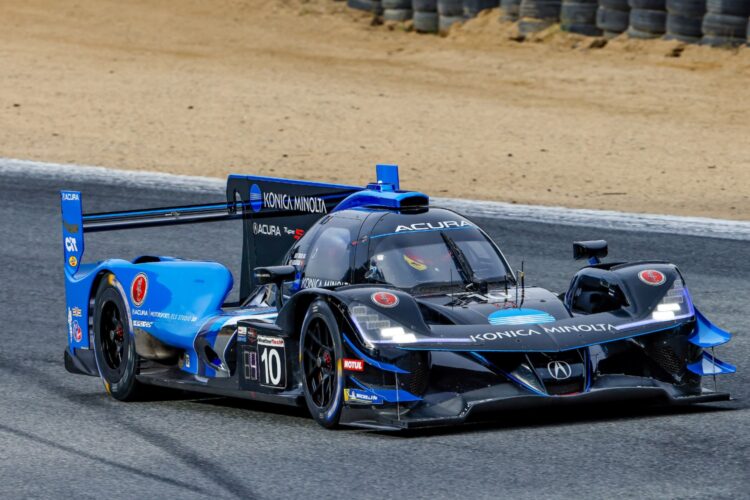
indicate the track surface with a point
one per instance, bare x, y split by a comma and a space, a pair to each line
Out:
61, 436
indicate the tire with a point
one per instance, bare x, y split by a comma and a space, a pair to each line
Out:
648, 21
540, 9
397, 14
621, 5
613, 21
474, 7
687, 29
364, 5
396, 4
426, 22
445, 22
739, 8
527, 26
114, 344
450, 8
577, 17
321, 351
648, 4
424, 5
724, 26
687, 8
509, 9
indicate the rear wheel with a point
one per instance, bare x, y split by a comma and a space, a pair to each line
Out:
114, 345
321, 353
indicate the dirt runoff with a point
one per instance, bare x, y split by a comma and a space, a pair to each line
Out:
312, 90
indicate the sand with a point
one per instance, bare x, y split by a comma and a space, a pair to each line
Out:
312, 90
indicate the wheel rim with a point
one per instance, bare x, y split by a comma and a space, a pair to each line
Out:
112, 335
320, 364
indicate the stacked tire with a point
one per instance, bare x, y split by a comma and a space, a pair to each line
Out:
648, 18
613, 17
397, 10
474, 7
684, 20
373, 6
725, 22
425, 16
509, 10
579, 16
449, 13
536, 15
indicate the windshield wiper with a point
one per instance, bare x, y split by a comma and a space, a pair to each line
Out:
470, 277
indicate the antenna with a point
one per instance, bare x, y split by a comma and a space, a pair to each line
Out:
523, 284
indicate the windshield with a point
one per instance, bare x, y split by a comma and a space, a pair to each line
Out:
461, 256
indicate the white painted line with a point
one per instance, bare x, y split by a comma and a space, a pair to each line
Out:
607, 219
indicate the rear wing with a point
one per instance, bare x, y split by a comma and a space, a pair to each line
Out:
275, 213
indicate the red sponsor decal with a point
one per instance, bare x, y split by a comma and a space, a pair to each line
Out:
139, 289
354, 365
384, 299
652, 277
298, 233
77, 333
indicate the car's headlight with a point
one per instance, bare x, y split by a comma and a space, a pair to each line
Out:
676, 304
376, 328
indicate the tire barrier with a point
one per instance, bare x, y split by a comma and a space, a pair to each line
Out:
613, 17
684, 20
425, 16
474, 7
373, 6
509, 10
450, 12
725, 22
648, 18
579, 16
445, 22
536, 15
397, 10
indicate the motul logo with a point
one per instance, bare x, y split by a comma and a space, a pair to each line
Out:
354, 365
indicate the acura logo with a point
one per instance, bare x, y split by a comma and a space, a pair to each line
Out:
560, 370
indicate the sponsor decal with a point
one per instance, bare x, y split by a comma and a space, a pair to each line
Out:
427, 226
266, 229
354, 365
652, 277
519, 317
559, 370
139, 289
362, 397
71, 228
76, 312
70, 244
186, 360
142, 324
384, 299
77, 333
286, 202
70, 197
70, 325
416, 264
165, 315
270, 341
256, 198
298, 233
321, 283
527, 332
72, 261
241, 333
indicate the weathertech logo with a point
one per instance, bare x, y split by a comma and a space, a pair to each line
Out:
354, 365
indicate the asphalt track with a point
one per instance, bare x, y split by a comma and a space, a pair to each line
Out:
61, 436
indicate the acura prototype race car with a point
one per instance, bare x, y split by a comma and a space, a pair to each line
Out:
373, 308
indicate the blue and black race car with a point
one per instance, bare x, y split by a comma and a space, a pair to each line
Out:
372, 308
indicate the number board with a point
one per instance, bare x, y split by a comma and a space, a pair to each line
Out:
272, 357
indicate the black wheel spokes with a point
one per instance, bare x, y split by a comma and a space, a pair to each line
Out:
319, 363
112, 336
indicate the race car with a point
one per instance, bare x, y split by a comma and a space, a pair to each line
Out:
372, 308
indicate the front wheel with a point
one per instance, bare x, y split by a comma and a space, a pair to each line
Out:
321, 353
114, 345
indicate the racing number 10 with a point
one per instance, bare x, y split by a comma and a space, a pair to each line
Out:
272, 362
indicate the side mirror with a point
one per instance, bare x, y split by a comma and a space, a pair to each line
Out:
591, 250
274, 274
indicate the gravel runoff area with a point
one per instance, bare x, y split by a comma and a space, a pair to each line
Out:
310, 89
